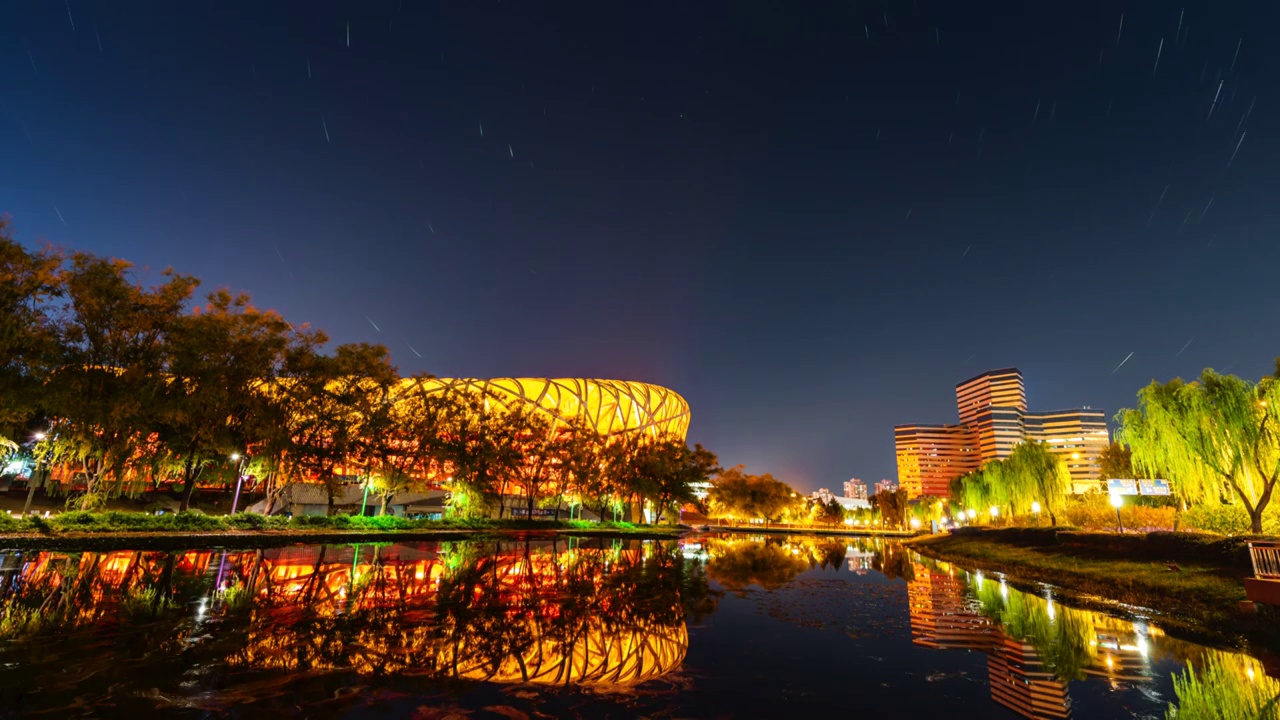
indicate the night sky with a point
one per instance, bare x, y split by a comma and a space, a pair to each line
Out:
811, 219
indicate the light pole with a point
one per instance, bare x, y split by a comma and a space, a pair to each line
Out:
1035, 510
240, 461
1117, 502
31, 481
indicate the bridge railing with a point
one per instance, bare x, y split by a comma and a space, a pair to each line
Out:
1266, 558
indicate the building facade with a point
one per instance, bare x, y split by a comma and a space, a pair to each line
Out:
993, 420
930, 456
886, 486
1076, 436
855, 488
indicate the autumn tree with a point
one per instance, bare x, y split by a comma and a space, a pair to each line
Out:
1214, 436
329, 399
737, 494
218, 359
892, 506
112, 362
29, 282
480, 447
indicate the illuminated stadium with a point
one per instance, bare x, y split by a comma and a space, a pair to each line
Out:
612, 407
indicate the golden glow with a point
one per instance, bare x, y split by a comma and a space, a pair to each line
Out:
609, 406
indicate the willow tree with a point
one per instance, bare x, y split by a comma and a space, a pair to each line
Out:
1040, 475
1218, 435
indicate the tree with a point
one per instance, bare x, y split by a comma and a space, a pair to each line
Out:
217, 361
1116, 461
665, 470
1213, 436
111, 367
29, 281
892, 507
1042, 474
539, 447
401, 440
827, 513
329, 398
737, 494
480, 447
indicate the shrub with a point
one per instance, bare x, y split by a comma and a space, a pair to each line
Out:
9, 523
1229, 519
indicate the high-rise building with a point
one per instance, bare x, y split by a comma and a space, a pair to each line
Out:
855, 488
930, 456
993, 421
992, 389
1076, 436
886, 486
992, 405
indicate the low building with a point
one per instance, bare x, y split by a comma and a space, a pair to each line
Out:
298, 499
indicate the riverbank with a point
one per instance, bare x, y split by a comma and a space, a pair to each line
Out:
1190, 585
118, 530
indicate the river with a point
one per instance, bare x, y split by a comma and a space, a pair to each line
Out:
707, 627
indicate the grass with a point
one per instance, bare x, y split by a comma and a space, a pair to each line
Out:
196, 522
1200, 600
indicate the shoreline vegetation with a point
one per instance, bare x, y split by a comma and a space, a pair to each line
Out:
1192, 584
90, 530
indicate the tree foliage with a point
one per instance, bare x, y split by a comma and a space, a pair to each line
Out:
736, 494
1031, 474
134, 382
1215, 437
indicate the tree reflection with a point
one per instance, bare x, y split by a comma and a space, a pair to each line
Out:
603, 613
770, 564
1225, 685
1066, 642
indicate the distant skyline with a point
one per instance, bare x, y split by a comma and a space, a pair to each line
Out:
811, 220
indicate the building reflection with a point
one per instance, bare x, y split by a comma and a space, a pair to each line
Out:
597, 613
1035, 648
945, 617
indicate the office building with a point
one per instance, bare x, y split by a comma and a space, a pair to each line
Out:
1076, 436
994, 420
930, 456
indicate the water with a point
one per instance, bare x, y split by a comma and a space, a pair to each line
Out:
710, 627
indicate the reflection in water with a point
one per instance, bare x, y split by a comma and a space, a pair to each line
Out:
314, 627
1035, 647
1225, 685
597, 613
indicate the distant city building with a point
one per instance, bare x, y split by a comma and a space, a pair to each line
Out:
886, 486
855, 488
993, 420
825, 496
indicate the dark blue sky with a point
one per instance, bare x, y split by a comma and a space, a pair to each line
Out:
810, 219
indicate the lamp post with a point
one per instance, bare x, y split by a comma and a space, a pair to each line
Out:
240, 461
1035, 510
31, 481
1116, 502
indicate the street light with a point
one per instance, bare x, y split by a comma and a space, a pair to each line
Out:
915, 523
972, 513
995, 512
1035, 509
235, 501
31, 479
1116, 502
